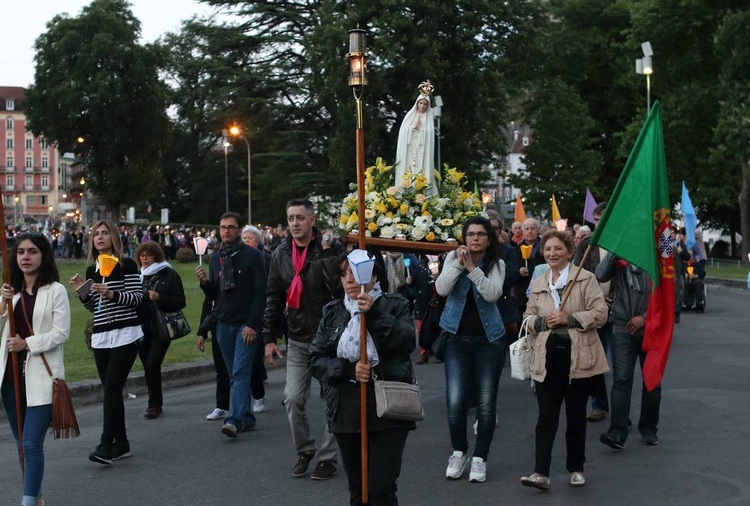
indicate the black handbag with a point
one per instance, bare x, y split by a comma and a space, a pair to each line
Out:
172, 325
430, 330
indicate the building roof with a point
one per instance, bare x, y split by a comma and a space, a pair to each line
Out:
15, 93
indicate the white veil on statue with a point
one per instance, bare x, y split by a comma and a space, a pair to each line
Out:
416, 141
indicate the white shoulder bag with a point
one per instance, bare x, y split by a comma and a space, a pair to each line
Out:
521, 354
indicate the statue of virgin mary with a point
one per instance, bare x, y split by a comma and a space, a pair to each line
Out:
416, 140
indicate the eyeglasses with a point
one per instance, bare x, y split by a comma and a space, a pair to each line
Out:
476, 234
229, 228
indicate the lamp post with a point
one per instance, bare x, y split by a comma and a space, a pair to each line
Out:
438, 114
235, 131
51, 220
357, 81
486, 200
15, 210
226, 171
645, 67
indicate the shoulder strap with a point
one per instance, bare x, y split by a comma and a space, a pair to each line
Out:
31, 329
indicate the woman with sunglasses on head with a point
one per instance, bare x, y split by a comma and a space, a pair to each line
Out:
113, 301
41, 314
163, 288
472, 280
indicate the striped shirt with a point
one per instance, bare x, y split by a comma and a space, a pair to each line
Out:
114, 319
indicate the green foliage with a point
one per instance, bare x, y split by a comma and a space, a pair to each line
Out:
94, 81
185, 255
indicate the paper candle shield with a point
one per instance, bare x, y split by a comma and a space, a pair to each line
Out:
690, 270
201, 245
106, 264
407, 262
362, 265
561, 224
526, 251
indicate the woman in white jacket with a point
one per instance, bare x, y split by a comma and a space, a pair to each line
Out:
42, 319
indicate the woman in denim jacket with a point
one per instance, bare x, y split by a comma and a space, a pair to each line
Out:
472, 280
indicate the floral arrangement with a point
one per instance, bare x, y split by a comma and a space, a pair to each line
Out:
412, 209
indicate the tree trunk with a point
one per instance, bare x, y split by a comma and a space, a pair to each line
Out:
744, 201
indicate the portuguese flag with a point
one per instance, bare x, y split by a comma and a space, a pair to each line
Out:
636, 226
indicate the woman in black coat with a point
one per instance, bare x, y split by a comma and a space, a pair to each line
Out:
163, 287
336, 364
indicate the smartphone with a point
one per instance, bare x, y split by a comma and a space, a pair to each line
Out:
85, 288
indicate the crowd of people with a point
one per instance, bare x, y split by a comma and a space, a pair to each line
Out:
295, 285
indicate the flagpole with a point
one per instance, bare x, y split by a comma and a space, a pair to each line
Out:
12, 332
575, 276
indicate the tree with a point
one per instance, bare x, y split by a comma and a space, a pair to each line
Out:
562, 159
94, 81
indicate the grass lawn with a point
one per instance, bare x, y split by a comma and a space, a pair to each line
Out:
79, 360
730, 271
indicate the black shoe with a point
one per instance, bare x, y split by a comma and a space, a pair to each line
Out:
102, 454
650, 439
677, 318
698, 307
120, 450
613, 440
687, 308
303, 462
152, 412
323, 471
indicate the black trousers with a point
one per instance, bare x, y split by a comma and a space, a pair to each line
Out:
550, 394
152, 352
113, 366
385, 452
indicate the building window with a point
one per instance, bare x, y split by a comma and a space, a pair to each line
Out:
45, 180
9, 124
8, 200
45, 162
29, 161
45, 144
525, 141
9, 161
30, 200
9, 143
42, 200
9, 180
10, 104
29, 180
29, 143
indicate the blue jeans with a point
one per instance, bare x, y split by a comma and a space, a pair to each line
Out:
239, 359
625, 350
35, 423
472, 363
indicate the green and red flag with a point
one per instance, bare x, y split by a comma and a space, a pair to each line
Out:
636, 226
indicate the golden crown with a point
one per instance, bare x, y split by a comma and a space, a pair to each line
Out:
426, 88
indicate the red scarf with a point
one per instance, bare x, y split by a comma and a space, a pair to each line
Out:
294, 294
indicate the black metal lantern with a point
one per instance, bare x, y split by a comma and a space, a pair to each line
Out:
357, 58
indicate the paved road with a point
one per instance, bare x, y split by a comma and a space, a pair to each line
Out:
182, 459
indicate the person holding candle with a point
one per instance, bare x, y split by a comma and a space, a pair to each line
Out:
113, 299
529, 255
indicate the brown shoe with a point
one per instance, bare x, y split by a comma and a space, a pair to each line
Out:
303, 462
323, 471
152, 412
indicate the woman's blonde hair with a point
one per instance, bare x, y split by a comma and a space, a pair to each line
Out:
117, 249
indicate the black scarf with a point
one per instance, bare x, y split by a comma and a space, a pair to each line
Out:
226, 276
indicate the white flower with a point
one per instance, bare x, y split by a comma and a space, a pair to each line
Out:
446, 222
372, 197
392, 191
444, 236
469, 202
418, 233
420, 198
423, 221
388, 232
383, 220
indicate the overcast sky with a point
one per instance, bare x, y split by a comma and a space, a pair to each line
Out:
23, 22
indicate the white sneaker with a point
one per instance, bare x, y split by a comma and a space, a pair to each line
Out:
456, 465
478, 470
216, 414
259, 405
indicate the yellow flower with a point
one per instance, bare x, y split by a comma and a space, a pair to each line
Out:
424, 208
430, 236
421, 182
344, 218
353, 218
389, 214
438, 177
446, 222
382, 167
402, 226
369, 171
372, 226
393, 202
426, 213
380, 207
454, 175
403, 209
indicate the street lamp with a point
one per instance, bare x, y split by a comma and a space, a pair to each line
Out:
83, 204
486, 200
15, 210
645, 67
226, 171
438, 114
235, 131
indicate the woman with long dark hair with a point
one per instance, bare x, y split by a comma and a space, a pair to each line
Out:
42, 319
113, 300
472, 281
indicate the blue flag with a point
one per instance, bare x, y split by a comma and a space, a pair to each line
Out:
691, 220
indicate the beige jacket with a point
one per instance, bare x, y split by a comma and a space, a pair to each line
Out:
586, 304
51, 324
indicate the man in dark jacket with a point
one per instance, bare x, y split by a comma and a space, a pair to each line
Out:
526, 266
303, 279
237, 284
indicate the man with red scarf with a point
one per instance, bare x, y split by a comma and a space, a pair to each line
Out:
303, 278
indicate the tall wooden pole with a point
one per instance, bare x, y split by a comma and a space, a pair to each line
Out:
360, 152
12, 332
